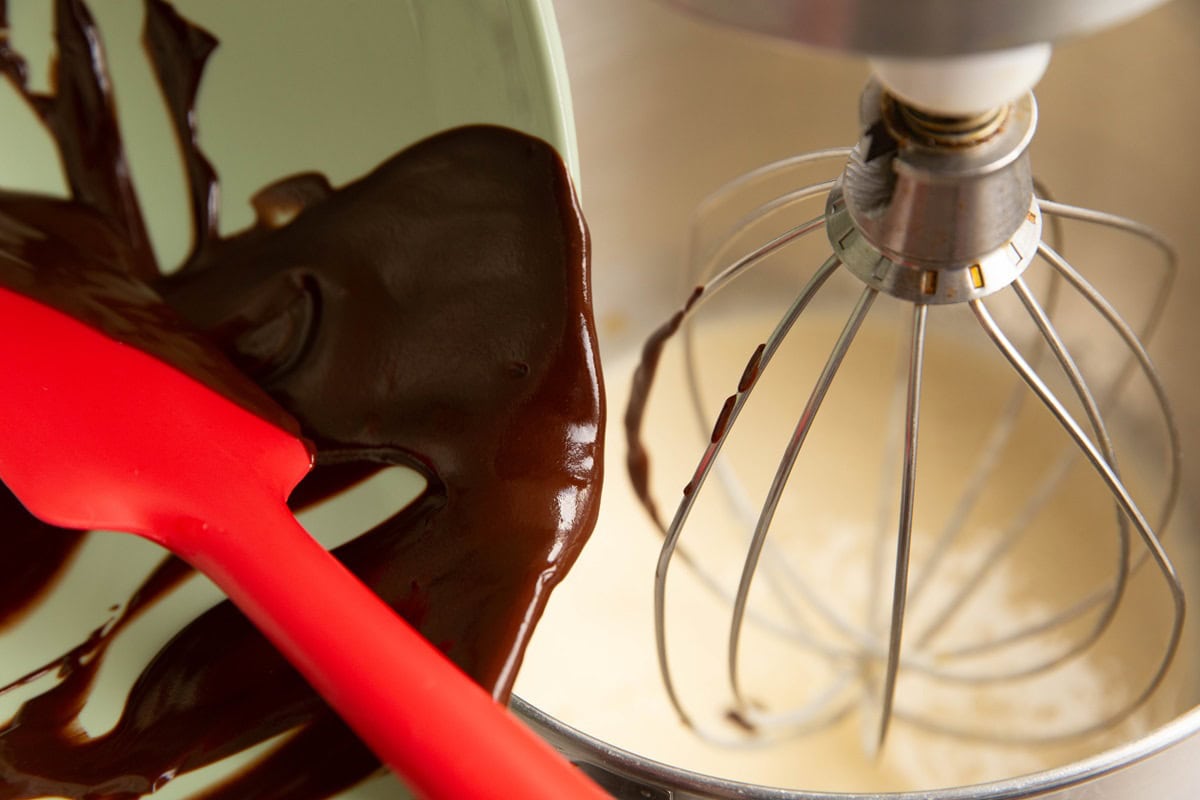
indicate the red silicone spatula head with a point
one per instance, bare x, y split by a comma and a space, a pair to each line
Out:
97, 433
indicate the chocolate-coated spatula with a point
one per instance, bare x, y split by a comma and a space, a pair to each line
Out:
96, 433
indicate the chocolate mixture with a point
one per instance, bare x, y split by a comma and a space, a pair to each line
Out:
433, 314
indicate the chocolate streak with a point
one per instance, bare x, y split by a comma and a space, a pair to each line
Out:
637, 456
434, 314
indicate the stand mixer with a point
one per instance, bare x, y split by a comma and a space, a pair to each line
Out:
931, 104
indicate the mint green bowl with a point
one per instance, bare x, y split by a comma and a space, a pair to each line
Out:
295, 85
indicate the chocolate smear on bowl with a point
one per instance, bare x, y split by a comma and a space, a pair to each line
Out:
433, 314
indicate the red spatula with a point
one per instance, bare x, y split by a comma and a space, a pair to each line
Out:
96, 433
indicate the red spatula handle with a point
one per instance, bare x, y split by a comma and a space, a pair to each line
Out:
416, 710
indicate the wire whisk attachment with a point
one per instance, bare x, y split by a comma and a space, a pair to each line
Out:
933, 215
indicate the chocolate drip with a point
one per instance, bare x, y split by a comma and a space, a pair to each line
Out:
34, 555
433, 314
179, 50
637, 458
82, 118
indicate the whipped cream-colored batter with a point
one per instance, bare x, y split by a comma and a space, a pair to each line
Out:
592, 663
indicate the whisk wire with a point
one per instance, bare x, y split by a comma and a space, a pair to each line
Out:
780, 479
1136, 344
904, 533
671, 538
742, 182
1122, 496
780, 578
1049, 483
985, 466
1103, 444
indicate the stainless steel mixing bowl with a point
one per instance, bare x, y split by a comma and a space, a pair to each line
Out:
669, 107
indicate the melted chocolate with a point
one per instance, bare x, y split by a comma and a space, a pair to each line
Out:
637, 455
433, 314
